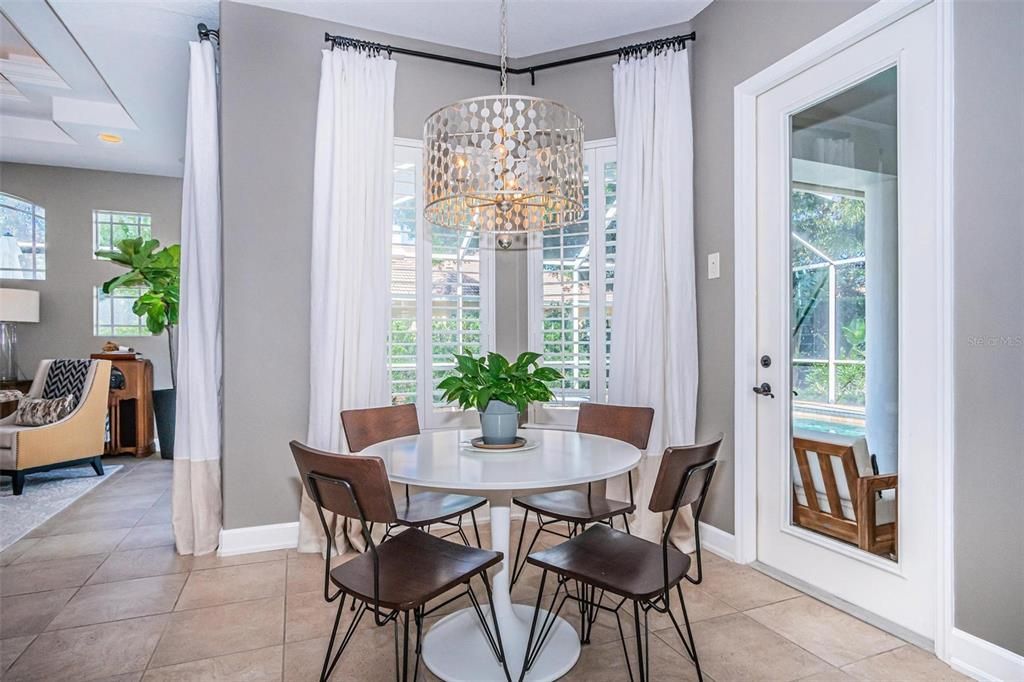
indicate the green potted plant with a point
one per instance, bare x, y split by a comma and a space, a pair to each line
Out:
499, 390
159, 272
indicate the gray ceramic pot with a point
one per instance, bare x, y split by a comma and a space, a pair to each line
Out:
499, 423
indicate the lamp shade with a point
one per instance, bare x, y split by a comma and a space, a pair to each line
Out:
19, 305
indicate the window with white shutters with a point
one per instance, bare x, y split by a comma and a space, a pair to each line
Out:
571, 275
441, 298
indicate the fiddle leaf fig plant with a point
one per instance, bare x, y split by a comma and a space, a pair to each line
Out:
477, 381
159, 272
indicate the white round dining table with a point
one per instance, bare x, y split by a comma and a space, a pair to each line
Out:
455, 648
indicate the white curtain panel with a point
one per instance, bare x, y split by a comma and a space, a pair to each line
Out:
196, 498
350, 300
654, 328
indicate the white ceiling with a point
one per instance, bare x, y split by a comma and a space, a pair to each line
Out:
71, 69
535, 26
124, 67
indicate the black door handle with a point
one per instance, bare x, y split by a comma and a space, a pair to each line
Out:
764, 389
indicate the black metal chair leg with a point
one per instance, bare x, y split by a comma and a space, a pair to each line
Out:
476, 529
640, 653
405, 646
418, 615
497, 630
533, 626
517, 567
691, 649
334, 634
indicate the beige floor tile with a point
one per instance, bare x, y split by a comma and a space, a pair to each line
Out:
103, 503
16, 550
261, 665
127, 677
90, 652
306, 571
735, 647
141, 563
11, 648
826, 632
833, 675
903, 664
29, 614
74, 545
159, 514
699, 606
370, 657
73, 521
142, 537
308, 616
117, 601
742, 587
40, 576
219, 630
607, 663
232, 583
211, 560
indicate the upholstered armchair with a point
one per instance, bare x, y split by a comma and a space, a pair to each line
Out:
76, 439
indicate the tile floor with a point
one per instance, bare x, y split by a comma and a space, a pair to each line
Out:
98, 592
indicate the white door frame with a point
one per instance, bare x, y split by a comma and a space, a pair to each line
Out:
872, 20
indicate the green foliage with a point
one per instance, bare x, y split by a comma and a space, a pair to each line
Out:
476, 381
855, 335
148, 266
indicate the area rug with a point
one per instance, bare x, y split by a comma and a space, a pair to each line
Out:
45, 494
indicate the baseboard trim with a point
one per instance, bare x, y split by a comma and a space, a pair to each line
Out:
253, 539
718, 541
983, 660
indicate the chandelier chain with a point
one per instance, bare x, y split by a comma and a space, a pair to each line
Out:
504, 47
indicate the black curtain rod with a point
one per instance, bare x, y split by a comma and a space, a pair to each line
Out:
638, 49
207, 33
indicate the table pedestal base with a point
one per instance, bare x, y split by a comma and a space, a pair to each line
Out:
456, 649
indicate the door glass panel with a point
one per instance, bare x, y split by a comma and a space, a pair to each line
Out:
844, 314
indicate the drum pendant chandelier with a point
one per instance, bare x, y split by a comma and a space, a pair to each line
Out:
504, 164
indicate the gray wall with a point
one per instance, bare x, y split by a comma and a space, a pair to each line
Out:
270, 71
69, 196
989, 321
735, 40
269, 100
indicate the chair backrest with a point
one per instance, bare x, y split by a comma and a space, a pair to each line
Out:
675, 465
829, 469
351, 486
629, 424
366, 427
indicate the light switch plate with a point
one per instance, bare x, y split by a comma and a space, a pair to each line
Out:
714, 271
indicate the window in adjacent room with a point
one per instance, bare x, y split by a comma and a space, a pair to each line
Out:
22, 239
110, 227
571, 276
442, 295
113, 315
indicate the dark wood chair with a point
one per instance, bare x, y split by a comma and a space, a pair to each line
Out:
394, 580
364, 428
574, 507
604, 560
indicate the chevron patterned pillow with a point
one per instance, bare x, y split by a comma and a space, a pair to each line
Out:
66, 376
42, 411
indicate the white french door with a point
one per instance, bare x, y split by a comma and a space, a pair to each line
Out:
848, 313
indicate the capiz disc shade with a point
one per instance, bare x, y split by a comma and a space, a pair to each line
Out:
503, 163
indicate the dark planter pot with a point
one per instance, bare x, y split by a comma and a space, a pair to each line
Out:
163, 407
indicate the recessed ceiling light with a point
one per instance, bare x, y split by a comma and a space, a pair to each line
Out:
110, 138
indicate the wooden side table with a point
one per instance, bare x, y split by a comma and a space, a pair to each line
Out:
131, 406
7, 407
